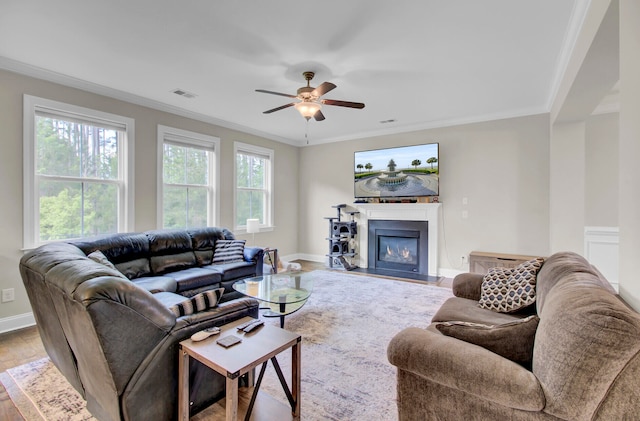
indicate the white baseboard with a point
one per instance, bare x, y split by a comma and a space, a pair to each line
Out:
302, 256
16, 322
450, 273
447, 273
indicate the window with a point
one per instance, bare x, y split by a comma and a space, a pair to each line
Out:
77, 172
254, 185
187, 165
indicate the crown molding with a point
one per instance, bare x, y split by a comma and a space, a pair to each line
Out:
72, 82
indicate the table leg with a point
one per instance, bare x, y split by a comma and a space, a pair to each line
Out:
296, 378
183, 386
232, 398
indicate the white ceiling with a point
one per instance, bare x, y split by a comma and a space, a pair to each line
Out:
422, 63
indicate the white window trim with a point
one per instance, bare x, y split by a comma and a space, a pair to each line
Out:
31, 104
245, 147
195, 139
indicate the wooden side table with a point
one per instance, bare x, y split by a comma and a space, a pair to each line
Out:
257, 347
481, 262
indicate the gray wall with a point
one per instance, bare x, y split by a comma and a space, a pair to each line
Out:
12, 88
501, 166
601, 170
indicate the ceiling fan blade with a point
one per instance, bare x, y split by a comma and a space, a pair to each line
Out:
275, 93
323, 89
318, 116
278, 108
349, 104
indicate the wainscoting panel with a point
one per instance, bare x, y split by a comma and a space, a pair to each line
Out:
601, 250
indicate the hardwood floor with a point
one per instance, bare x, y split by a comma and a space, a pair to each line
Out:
24, 345
16, 348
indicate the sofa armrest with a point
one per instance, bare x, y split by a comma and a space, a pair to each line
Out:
253, 254
466, 367
222, 313
467, 285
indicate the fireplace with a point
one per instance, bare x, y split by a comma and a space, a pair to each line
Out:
400, 246
421, 212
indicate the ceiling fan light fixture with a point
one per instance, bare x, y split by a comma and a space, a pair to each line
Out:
308, 108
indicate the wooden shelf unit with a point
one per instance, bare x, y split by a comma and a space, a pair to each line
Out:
481, 261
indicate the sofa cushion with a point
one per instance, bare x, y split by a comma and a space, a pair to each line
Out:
199, 302
203, 241
466, 310
155, 284
513, 340
228, 251
129, 252
510, 289
135, 268
234, 271
192, 278
171, 250
99, 257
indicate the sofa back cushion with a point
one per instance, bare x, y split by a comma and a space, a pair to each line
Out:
585, 340
171, 250
555, 269
129, 252
203, 241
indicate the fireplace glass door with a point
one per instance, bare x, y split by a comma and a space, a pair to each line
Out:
398, 246
398, 250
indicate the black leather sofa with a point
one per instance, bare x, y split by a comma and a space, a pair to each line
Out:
109, 328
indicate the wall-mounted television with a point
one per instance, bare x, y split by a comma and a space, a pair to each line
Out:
404, 171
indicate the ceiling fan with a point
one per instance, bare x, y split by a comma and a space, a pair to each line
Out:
310, 102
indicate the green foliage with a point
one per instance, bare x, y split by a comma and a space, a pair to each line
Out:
251, 186
185, 192
77, 167
416, 163
432, 161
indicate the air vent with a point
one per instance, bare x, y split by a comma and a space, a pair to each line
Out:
184, 93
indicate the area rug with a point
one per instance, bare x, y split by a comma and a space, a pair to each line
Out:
346, 326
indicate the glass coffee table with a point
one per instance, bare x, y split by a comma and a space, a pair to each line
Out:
283, 293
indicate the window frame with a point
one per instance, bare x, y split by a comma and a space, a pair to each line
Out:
31, 202
248, 149
198, 140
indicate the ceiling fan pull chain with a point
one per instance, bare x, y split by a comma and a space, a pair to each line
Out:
306, 131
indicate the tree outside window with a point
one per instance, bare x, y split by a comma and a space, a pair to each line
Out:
188, 178
76, 182
77, 172
253, 184
186, 187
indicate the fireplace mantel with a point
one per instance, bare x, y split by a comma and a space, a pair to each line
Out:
399, 212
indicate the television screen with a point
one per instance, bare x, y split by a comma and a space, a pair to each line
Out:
405, 171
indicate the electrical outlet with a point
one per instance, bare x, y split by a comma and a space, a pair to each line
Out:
8, 294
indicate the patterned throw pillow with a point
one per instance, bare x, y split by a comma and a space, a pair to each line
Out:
508, 290
228, 251
513, 340
199, 302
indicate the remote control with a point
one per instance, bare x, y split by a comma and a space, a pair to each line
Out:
245, 324
253, 326
204, 334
